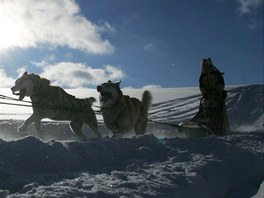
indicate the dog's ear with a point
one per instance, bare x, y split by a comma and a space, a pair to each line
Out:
117, 84
109, 81
25, 73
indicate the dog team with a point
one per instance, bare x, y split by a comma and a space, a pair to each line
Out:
121, 113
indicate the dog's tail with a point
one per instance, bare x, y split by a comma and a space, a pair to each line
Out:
146, 99
90, 100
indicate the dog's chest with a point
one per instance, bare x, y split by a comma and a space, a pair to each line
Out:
111, 114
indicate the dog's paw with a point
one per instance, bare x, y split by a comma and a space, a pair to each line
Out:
117, 135
99, 135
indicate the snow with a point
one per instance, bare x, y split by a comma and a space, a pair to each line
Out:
54, 163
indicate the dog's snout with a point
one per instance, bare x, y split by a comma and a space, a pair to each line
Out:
99, 88
13, 89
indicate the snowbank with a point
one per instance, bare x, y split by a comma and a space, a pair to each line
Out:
144, 166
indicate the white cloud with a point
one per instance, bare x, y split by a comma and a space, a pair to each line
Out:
74, 75
152, 86
145, 87
21, 71
106, 27
150, 47
30, 23
45, 61
248, 6
129, 87
5, 81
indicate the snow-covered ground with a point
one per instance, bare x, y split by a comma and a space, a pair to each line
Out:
53, 163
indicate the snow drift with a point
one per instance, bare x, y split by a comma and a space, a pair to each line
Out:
53, 163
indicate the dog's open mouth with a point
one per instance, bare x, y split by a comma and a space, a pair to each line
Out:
105, 96
21, 93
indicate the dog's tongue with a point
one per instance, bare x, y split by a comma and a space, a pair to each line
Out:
21, 97
22, 94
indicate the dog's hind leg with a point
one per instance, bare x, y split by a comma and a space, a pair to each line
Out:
91, 121
94, 127
37, 123
141, 125
77, 129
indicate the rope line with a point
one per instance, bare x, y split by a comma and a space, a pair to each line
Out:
165, 123
48, 106
64, 108
11, 98
7, 103
56, 107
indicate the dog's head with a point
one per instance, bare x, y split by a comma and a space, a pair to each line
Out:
24, 86
110, 92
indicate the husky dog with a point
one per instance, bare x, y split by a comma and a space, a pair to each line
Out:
122, 113
54, 103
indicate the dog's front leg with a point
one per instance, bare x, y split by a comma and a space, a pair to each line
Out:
37, 124
26, 123
116, 130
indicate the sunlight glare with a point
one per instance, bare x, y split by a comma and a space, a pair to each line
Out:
13, 32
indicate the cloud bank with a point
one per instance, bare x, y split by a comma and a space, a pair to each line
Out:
74, 75
31, 23
5, 81
67, 74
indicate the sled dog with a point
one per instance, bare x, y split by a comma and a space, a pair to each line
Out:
122, 113
54, 103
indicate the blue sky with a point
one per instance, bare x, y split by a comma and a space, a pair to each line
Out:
157, 43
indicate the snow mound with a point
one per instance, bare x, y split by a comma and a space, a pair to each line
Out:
144, 166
